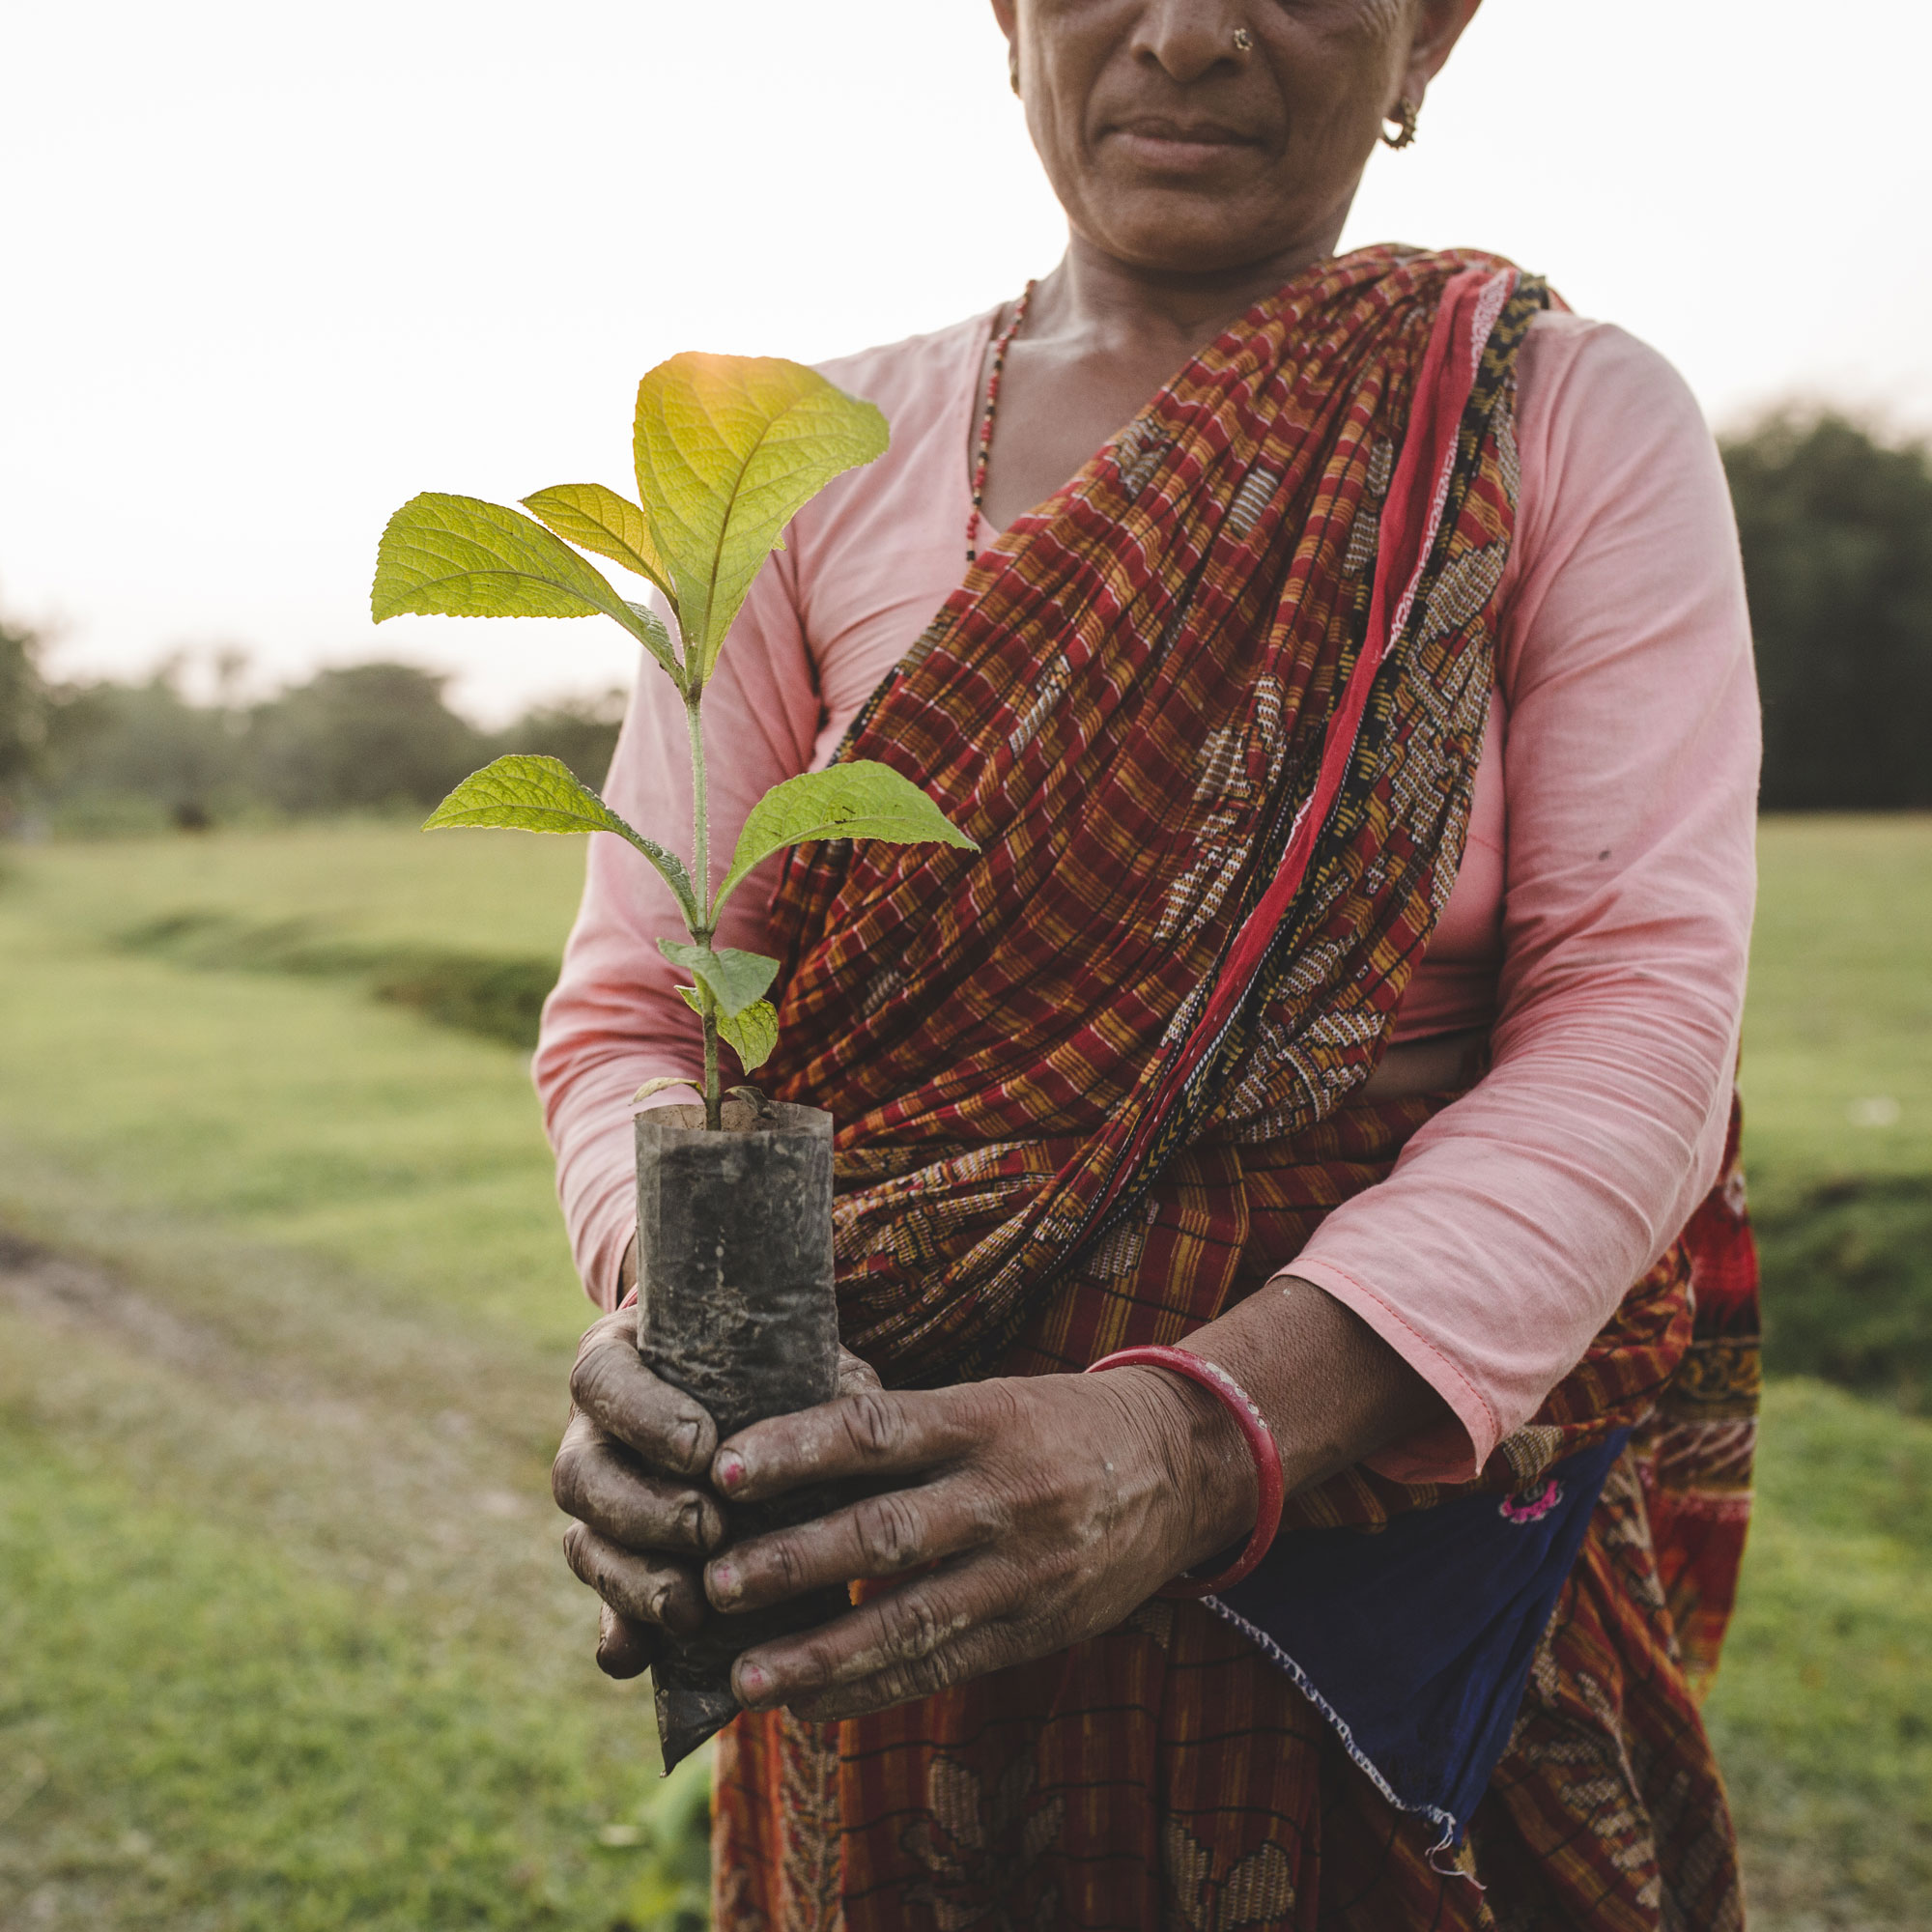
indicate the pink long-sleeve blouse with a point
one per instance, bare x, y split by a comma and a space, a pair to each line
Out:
1597, 928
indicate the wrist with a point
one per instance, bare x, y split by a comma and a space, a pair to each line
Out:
1212, 1486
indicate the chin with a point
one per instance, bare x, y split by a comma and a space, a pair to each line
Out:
1179, 233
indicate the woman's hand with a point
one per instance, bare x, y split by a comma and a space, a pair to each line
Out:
631, 1469
1043, 1508
1052, 1507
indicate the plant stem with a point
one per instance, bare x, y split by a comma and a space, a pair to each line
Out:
713, 1099
700, 820
700, 872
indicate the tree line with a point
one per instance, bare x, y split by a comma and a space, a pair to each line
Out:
1835, 526
107, 756
1836, 531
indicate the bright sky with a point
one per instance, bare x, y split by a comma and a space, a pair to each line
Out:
271, 270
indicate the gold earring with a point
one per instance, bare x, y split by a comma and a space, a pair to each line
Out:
1405, 115
1013, 67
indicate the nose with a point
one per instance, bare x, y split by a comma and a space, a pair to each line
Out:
1188, 38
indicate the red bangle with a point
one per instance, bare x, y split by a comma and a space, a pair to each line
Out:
1262, 1446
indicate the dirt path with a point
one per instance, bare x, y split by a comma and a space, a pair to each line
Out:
287, 1638
373, 1445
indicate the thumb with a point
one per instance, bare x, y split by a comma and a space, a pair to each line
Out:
624, 1648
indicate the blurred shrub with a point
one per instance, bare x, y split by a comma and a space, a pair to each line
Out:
23, 714
367, 736
672, 1892
497, 996
1848, 1287
124, 757
1837, 532
581, 731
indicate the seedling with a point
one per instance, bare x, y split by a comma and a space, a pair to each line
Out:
728, 449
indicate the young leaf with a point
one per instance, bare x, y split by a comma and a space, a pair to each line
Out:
728, 449
526, 793
860, 800
657, 639
735, 979
752, 1034
459, 556
594, 517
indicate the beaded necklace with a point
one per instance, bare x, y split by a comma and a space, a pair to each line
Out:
1004, 342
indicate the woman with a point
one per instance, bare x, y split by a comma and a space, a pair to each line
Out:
1361, 747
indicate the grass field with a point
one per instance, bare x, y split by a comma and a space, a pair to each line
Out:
1837, 1082
284, 1314
1837, 1072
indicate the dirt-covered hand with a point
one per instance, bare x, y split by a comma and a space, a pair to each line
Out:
632, 1468
1041, 1510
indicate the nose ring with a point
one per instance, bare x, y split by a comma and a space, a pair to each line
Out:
1245, 42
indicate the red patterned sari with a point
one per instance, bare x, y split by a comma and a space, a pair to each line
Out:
1212, 714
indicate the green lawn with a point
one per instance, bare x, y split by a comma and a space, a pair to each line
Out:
276, 1107
1838, 1068
284, 1635
1838, 1077
286, 1640
1822, 1711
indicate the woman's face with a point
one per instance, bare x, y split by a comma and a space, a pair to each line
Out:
1173, 149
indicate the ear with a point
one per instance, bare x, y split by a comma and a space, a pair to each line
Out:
1006, 13
1438, 26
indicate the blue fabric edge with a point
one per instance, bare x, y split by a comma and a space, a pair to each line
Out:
1452, 1830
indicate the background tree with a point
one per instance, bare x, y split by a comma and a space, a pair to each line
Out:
369, 736
142, 745
581, 731
23, 714
1836, 531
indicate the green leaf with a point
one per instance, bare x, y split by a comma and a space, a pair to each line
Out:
650, 628
752, 1033
733, 979
860, 800
459, 556
594, 517
526, 793
728, 449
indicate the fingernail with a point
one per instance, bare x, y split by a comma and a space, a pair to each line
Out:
729, 1469
723, 1581
753, 1680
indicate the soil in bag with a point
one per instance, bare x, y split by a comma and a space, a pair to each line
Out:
736, 1306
